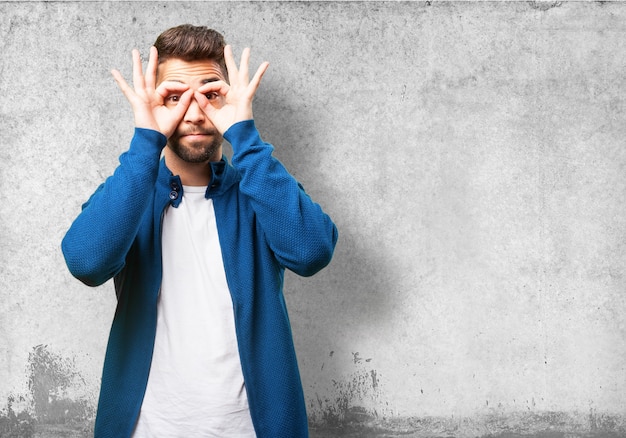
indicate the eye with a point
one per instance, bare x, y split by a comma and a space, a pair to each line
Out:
211, 96
172, 99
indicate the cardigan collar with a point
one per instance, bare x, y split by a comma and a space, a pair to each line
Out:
223, 177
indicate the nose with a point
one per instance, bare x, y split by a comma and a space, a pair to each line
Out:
194, 113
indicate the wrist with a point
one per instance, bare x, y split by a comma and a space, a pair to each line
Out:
142, 123
242, 135
148, 141
151, 125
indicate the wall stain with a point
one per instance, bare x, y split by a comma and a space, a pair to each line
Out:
16, 424
544, 5
56, 404
505, 425
350, 399
355, 406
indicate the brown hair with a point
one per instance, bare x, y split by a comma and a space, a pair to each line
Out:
191, 43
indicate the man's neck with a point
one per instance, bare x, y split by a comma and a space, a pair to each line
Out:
191, 174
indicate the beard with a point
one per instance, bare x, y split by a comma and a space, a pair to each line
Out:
196, 151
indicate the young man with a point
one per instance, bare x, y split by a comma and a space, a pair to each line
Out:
200, 345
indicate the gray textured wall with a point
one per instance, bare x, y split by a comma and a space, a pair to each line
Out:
471, 154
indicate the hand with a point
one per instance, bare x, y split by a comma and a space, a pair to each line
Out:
232, 102
148, 102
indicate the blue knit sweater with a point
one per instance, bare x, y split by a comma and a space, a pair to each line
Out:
266, 223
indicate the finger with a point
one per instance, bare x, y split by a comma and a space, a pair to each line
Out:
167, 90
170, 87
151, 69
180, 109
205, 104
138, 80
208, 102
231, 66
121, 83
243, 66
219, 87
256, 79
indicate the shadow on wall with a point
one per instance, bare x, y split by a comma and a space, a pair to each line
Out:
347, 389
56, 403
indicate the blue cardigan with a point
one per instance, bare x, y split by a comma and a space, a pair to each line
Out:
266, 223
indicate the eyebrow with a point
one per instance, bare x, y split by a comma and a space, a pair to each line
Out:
204, 81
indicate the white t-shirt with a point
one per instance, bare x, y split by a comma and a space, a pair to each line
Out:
195, 387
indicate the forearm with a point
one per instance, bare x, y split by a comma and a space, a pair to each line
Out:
98, 240
300, 234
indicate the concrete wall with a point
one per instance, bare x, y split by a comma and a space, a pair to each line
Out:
471, 154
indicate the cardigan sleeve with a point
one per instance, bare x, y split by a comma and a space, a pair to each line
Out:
299, 233
96, 244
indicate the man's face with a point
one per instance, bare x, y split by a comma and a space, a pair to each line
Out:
195, 140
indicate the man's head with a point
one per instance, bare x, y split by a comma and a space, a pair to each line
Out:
193, 55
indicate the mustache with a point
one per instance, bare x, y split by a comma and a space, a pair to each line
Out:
196, 132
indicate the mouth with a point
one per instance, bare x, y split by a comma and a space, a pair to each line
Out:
198, 133
193, 136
